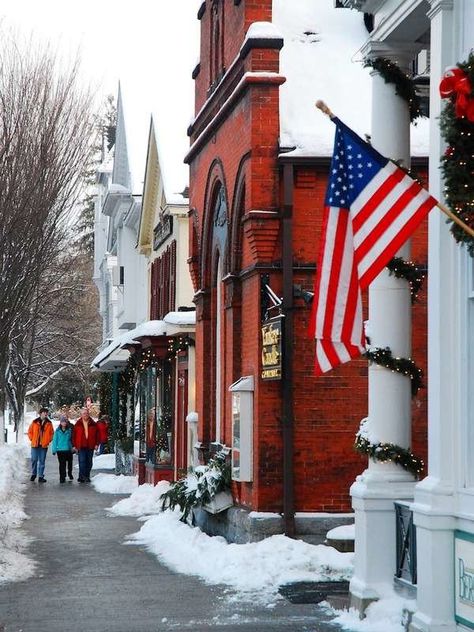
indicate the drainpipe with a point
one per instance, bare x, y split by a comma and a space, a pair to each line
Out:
287, 377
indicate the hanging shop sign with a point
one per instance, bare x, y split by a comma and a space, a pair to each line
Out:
464, 578
272, 338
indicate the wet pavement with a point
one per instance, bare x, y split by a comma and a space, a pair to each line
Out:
87, 580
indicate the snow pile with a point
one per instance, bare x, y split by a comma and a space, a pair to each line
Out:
344, 532
144, 500
386, 614
14, 565
365, 432
248, 568
112, 484
104, 462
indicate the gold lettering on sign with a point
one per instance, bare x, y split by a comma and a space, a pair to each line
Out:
271, 351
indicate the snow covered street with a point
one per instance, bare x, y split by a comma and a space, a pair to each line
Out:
103, 584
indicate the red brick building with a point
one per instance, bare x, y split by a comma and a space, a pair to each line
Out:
255, 197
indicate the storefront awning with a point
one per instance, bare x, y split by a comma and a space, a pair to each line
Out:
116, 354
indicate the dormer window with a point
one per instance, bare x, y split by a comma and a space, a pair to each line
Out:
217, 41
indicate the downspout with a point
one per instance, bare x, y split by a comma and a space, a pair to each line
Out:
287, 374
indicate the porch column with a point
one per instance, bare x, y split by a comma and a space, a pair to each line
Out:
434, 504
389, 406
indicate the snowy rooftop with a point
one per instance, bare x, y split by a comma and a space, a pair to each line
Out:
321, 60
181, 318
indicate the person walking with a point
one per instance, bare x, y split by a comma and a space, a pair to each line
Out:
103, 432
85, 440
62, 446
40, 434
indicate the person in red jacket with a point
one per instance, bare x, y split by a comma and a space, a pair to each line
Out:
103, 432
85, 439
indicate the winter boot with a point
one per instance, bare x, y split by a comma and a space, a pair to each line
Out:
33, 477
42, 479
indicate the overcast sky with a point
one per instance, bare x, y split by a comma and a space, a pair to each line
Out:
151, 46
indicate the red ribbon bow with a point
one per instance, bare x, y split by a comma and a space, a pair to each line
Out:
455, 83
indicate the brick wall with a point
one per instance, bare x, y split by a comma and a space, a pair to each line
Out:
242, 147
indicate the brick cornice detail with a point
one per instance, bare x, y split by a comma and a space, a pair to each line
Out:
261, 230
249, 79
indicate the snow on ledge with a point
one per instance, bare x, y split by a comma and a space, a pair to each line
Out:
263, 30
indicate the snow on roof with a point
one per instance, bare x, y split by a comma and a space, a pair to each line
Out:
146, 329
116, 343
320, 60
181, 318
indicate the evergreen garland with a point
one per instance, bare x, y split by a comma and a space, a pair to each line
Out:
385, 452
457, 164
177, 344
406, 366
404, 84
409, 271
200, 487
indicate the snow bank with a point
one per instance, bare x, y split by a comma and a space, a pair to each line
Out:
104, 462
385, 614
344, 532
248, 568
143, 501
14, 564
112, 484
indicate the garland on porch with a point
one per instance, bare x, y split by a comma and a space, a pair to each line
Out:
406, 366
404, 84
198, 488
385, 452
409, 271
457, 129
180, 343
146, 358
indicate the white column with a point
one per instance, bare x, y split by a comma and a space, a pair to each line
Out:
375, 491
434, 504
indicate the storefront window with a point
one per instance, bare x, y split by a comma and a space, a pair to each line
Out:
164, 416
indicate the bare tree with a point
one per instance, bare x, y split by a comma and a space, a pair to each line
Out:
46, 127
59, 332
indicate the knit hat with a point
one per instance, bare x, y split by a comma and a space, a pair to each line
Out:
62, 418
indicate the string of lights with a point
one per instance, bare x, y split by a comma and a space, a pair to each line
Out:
405, 366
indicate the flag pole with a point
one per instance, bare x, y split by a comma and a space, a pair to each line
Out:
454, 218
467, 229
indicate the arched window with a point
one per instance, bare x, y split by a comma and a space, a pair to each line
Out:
218, 352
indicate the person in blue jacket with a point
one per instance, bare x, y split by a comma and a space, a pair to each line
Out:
62, 446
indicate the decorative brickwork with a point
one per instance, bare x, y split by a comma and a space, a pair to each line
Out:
235, 145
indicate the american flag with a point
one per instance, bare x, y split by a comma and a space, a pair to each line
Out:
371, 209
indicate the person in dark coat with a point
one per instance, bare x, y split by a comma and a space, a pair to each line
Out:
85, 439
103, 432
62, 446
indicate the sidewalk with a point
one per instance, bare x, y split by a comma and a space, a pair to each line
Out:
88, 581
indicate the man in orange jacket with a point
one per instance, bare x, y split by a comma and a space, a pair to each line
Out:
40, 433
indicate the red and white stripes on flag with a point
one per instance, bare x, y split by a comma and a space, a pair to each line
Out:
372, 207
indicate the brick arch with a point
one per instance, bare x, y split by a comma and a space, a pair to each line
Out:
238, 211
215, 229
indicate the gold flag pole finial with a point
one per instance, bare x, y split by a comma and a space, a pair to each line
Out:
324, 108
